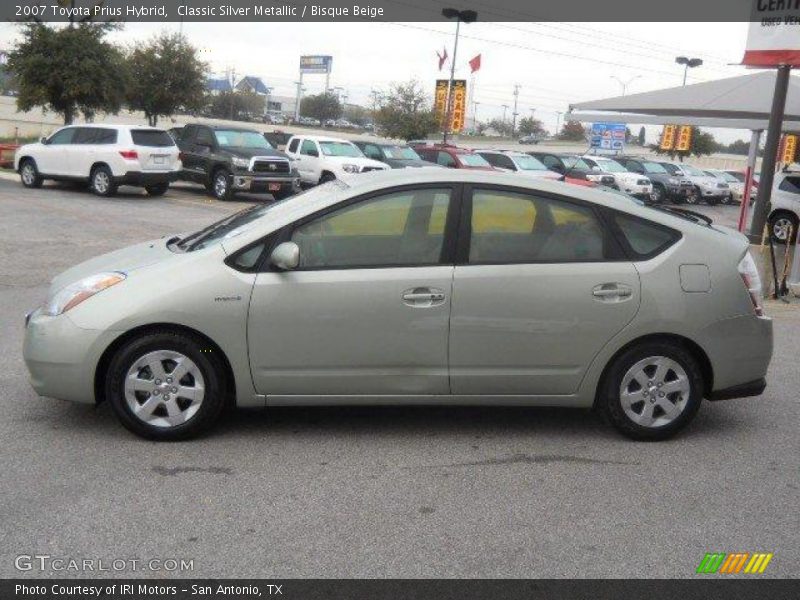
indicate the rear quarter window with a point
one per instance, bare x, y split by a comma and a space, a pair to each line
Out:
790, 184
151, 137
644, 239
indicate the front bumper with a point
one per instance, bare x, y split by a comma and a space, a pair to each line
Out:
264, 183
714, 192
61, 357
637, 191
679, 191
145, 178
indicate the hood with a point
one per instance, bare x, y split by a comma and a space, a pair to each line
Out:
361, 161
629, 176
251, 152
125, 260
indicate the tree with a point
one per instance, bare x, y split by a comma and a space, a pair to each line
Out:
165, 75
405, 112
357, 115
500, 126
236, 105
531, 126
572, 131
68, 70
641, 136
321, 106
703, 143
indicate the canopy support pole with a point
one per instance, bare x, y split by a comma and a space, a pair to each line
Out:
761, 209
755, 140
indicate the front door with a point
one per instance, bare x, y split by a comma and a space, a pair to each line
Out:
541, 289
367, 311
53, 158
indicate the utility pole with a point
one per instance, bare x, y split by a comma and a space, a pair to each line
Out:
514, 114
505, 108
558, 121
233, 90
475, 115
465, 16
299, 84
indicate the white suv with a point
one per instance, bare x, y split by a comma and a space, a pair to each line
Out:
105, 156
785, 205
635, 184
320, 159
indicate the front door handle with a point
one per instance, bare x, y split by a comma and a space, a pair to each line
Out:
612, 292
422, 297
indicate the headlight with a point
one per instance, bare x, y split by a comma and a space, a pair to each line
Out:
242, 163
70, 296
350, 168
674, 181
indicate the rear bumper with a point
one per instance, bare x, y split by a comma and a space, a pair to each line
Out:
143, 178
743, 390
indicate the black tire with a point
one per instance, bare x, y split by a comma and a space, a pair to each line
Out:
210, 365
102, 182
712, 200
727, 199
693, 197
221, 187
610, 394
157, 189
778, 222
29, 174
326, 177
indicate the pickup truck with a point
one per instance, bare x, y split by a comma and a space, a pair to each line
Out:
231, 159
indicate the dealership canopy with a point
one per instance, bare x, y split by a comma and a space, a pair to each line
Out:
741, 102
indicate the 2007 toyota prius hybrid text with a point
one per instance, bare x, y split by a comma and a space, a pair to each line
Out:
437, 286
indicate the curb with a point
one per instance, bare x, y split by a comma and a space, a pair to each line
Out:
8, 175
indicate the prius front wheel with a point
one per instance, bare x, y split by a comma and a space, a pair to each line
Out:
166, 386
652, 390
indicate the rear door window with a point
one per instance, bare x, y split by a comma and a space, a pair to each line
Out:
790, 184
151, 137
643, 238
293, 145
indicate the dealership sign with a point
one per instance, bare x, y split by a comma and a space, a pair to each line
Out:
608, 137
316, 64
774, 35
458, 102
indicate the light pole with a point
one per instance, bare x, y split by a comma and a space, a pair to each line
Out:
475, 104
558, 120
461, 16
625, 84
688, 63
505, 108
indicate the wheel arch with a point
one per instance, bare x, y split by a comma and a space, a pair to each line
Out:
22, 159
691, 346
101, 371
100, 163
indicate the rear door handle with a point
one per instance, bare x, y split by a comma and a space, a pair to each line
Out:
422, 297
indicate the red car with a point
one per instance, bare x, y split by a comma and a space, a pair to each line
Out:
452, 156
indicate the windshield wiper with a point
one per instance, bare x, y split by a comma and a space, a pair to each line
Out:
199, 236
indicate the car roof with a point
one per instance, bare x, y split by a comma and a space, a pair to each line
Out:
321, 138
113, 126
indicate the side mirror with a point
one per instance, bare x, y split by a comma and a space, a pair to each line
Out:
285, 256
43, 140
596, 169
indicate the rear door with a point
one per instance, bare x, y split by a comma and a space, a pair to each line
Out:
156, 149
540, 286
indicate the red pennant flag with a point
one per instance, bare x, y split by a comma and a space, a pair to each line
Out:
475, 63
442, 57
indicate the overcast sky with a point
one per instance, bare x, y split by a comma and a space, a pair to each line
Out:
554, 63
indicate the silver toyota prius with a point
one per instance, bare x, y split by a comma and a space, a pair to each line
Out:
413, 286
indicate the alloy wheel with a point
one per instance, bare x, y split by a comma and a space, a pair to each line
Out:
28, 174
655, 391
164, 388
221, 185
101, 182
780, 228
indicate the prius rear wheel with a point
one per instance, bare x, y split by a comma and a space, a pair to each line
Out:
652, 390
166, 386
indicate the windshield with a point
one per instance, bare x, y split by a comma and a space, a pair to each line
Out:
651, 167
611, 166
529, 163
473, 160
241, 221
403, 152
695, 172
233, 138
726, 177
671, 169
340, 149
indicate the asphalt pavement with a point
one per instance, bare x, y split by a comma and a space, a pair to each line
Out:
370, 492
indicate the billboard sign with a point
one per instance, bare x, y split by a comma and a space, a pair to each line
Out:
608, 137
459, 102
668, 137
774, 35
684, 139
316, 64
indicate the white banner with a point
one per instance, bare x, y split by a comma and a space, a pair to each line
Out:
774, 35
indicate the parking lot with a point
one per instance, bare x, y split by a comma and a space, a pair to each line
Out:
370, 492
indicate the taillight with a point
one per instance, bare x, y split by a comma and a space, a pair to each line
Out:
752, 281
129, 154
